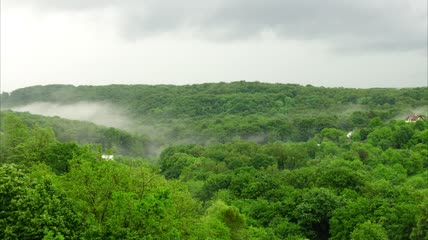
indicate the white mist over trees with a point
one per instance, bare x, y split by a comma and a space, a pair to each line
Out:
100, 113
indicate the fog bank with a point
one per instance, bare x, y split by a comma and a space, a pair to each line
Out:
105, 114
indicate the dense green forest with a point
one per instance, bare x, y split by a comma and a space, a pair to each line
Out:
236, 161
221, 112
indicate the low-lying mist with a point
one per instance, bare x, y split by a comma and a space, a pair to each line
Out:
105, 114
423, 110
110, 115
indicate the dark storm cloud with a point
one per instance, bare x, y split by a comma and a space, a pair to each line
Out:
345, 24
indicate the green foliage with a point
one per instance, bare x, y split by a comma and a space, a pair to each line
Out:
253, 111
272, 162
369, 231
172, 166
420, 231
18, 127
13, 136
314, 211
32, 208
221, 222
347, 217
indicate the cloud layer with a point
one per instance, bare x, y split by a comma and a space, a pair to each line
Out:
344, 24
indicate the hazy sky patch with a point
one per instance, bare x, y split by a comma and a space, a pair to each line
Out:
367, 43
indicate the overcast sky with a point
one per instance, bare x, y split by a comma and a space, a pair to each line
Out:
349, 43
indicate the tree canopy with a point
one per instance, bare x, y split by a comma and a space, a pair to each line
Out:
237, 161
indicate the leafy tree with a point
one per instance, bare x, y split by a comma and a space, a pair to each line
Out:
381, 137
369, 231
347, 217
314, 211
33, 208
340, 175
288, 156
13, 138
334, 135
58, 156
222, 222
420, 231
359, 119
172, 166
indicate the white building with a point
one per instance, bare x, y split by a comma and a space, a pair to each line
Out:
107, 157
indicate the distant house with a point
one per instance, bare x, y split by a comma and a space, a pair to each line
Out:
107, 157
414, 118
349, 135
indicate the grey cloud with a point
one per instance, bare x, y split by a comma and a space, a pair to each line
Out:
68, 5
362, 24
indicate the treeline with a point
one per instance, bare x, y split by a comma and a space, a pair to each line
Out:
370, 185
221, 112
242, 98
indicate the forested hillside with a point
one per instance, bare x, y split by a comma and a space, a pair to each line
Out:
222, 112
111, 139
238, 161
